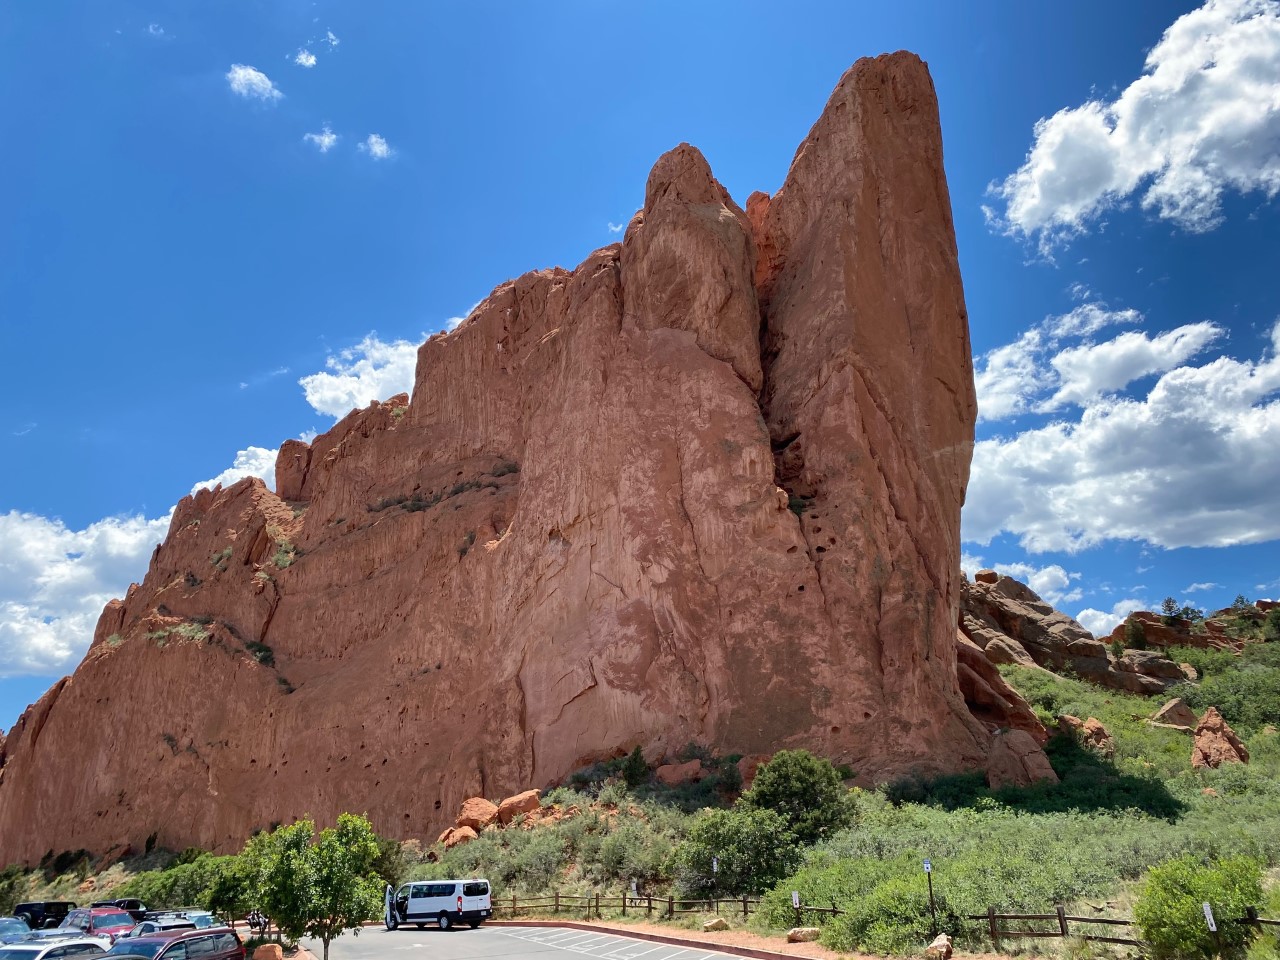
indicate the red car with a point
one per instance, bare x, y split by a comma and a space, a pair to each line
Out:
212, 943
105, 922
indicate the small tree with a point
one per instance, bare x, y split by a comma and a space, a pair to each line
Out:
1188, 612
1241, 602
1169, 611
1170, 913
1271, 625
1135, 636
805, 790
743, 850
635, 770
317, 886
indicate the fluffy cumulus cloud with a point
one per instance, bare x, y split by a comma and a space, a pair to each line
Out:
1194, 462
54, 582
252, 84
250, 462
1204, 118
1053, 583
305, 58
371, 370
376, 147
1102, 622
323, 141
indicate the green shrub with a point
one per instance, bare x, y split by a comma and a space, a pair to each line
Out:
635, 770
736, 851
1135, 635
1169, 909
1248, 696
1271, 626
805, 790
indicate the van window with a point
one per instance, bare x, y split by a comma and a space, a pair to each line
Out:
420, 890
225, 942
477, 888
442, 889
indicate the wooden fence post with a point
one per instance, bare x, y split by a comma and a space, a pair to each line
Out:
557, 906
744, 906
513, 906
598, 914
1251, 915
671, 907
648, 910
1062, 920
624, 903
799, 918
992, 928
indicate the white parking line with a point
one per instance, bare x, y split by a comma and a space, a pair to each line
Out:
609, 946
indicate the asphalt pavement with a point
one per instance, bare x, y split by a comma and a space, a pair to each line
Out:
503, 943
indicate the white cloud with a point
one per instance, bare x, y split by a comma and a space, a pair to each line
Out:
305, 58
616, 227
331, 39
1198, 587
250, 462
376, 147
1203, 118
1102, 622
54, 582
371, 370
324, 140
1053, 583
1196, 462
251, 83
155, 30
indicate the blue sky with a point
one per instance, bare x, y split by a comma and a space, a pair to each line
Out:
225, 224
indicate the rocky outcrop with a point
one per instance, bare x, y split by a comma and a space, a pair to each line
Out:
1163, 632
674, 774
748, 767
476, 813
1216, 743
989, 697
512, 807
1016, 760
1091, 733
1009, 621
1176, 713
704, 487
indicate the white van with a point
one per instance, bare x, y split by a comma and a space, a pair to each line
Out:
442, 902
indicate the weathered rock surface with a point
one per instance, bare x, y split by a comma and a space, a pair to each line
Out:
575, 538
1016, 760
476, 813
803, 934
1216, 743
1162, 632
719, 923
749, 766
1176, 713
989, 697
456, 836
940, 948
674, 774
1009, 621
512, 807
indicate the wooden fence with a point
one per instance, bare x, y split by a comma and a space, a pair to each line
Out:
591, 905
1063, 921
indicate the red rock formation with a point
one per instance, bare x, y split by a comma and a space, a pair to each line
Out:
990, 698
674, 774
1176, 713
1016, 760
476, 813
512, 807
575, 538
1216, 743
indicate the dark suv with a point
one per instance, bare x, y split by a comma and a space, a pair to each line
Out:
43, 913
215, 943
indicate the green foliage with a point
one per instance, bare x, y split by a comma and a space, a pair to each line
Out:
189, 855
261, 652
1117, 648
1271, 626
192, 631
317, 886
12, 887
1169, 909
1169, 611
727, 852
1241, 602
115, 640
286, 553
797, 505
1249, 697
805, 790
1135, 635
635, 770
186, 883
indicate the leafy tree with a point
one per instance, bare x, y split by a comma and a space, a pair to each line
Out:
635, 770
1271, 626
1241, 602
1170, 909
1191, 613
1169, 611
1135, 635
318, 886
805, 790
744, 850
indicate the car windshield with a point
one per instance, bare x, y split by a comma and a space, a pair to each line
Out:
12, 925
18, 953
133, 948
120, 919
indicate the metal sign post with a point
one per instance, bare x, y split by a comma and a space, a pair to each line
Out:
933, 907
1213, 928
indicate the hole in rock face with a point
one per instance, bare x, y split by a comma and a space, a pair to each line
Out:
437, 804
835, 729
831, 541
817, 529
800, 589
791, 549
866, 715
820, 550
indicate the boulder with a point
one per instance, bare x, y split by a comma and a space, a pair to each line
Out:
748, 766
719, 923
1069, 724
520, 803
476, 813
986, 576
674, 774
458, 836
1216, 743
1095, 736
268, 951
1016, 760
988, 696
1007, 650
1176, 713
1190, 672
940, 948
803, 934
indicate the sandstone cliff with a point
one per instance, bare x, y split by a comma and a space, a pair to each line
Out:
706, 486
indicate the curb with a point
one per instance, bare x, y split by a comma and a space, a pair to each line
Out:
654, 938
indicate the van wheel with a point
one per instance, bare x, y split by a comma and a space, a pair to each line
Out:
444, 922
392, 924
473, 924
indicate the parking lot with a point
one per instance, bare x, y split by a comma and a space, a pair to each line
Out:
500, 943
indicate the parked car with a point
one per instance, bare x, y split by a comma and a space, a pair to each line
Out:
446, 903
159, 925
107, 922
52, 948
214, 943
43, 913
13, 929
130, 905
201, 918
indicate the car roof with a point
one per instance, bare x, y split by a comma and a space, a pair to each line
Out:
168, 936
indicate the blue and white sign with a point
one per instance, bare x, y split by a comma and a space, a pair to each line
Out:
928, 866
